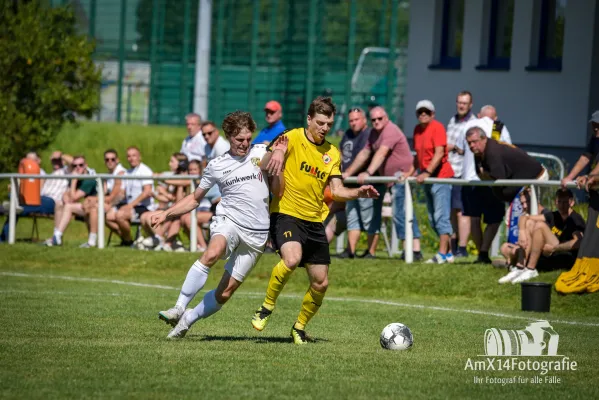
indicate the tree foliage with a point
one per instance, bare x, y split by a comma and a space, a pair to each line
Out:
47, 76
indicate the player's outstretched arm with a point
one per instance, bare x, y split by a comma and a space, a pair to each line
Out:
342, 193
273, 161
183, 206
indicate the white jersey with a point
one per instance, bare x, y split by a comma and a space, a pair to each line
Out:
134, 187
244, 189
220, 147
110, 182
194, 147
486, 124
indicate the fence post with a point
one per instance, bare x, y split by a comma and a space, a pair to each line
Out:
193, 225
310, 59
391, 59
351, 44
100, 190
12, 210
220, 44
394, 238
534, 202
409, 220
119, 89
254, 56
340, 243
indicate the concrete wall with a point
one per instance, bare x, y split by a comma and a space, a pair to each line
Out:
542, 109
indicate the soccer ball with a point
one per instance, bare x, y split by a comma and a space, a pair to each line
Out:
396, 336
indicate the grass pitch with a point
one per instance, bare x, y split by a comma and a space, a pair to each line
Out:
83, 323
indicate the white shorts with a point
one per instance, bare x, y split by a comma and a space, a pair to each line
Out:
244, 247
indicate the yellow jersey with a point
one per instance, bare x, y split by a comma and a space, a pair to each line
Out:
308, 167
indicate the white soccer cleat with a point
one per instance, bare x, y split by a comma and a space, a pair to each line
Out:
172, 315
180, 330
513, 274
526, 275
450, 258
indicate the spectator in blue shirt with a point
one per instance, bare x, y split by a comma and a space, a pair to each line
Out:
274, 113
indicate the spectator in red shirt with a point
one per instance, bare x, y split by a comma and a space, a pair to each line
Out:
389, 153
430, 143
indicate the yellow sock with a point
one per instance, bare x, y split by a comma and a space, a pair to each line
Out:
279, 277
310, 305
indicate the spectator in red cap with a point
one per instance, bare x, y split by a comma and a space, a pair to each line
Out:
274, 113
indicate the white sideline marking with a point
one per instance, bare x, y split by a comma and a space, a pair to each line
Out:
254, 294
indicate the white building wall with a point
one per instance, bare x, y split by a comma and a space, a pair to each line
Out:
541, 108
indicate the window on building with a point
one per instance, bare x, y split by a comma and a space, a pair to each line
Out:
452, 33
551, 35
500, 33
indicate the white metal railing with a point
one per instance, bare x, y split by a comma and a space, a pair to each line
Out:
408, 202
100, 189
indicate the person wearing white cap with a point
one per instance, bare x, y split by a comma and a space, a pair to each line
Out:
430, 144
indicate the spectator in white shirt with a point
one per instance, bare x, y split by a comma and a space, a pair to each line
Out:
113, 191
216, 145
194, 145
138, 197
455, 131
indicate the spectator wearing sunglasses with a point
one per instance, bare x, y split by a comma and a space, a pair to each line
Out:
274, 114
386, 153
216, 145
430, 143
80, 189
113, 195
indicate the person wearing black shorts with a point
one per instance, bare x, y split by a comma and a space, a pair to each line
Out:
311, 236
297, 231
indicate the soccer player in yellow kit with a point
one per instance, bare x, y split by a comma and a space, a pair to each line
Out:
296, 228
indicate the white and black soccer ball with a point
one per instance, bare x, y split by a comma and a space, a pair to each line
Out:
396, 336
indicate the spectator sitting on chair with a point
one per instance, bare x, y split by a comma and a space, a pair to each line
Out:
216, 145
194, 145
479, 201
138, 198
554, 241
166, 195
204, 211
29, 198
430, 143
274, 114
455, 133
389, 153
80, 189
113, 195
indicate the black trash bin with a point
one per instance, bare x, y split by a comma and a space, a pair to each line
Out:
536, 296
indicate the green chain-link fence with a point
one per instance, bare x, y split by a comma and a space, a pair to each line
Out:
286, 50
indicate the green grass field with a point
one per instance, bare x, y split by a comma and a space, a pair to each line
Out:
83, 323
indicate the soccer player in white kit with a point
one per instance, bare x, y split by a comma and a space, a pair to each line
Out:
238, 231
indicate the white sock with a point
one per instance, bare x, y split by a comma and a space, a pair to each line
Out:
58, 235
206, 308
92, 239
194, 282
57, 232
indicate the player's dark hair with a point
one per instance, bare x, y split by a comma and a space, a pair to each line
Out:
207, 123
322, 105
234, 122
466, 93
113, 151
564, 192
